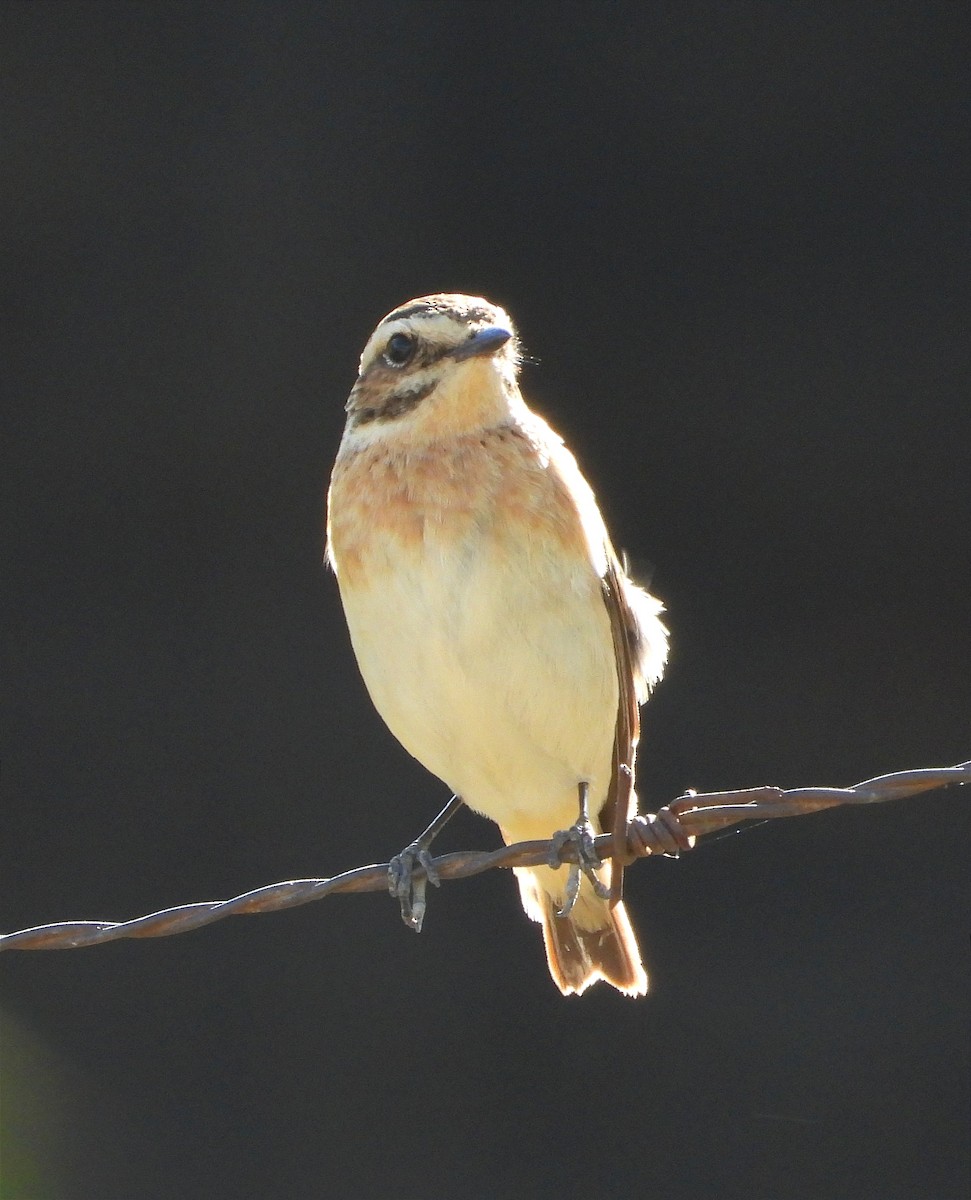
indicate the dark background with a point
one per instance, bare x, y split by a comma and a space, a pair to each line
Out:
735, 237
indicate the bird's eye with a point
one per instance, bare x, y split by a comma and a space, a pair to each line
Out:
399, 349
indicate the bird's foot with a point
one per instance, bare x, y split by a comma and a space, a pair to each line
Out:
410, 872
581, 835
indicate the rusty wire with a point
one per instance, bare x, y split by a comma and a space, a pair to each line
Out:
668, 831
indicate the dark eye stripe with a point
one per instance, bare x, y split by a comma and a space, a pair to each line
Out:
424, 356
396, 404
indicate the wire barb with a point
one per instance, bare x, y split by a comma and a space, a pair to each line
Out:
673, 829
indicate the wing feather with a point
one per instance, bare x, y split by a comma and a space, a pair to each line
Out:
621, 803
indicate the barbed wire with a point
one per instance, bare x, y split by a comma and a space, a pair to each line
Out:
669, 831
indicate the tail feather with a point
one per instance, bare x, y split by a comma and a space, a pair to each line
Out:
595, 941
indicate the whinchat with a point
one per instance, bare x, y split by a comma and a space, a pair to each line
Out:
496, 629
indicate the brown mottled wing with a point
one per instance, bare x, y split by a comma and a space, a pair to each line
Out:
618, 809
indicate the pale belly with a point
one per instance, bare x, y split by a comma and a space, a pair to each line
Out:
494, 667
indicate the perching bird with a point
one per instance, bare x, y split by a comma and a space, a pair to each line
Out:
497, 632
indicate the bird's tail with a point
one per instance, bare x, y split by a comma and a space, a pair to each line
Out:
594, 941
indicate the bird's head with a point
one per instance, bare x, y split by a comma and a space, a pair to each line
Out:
438, 365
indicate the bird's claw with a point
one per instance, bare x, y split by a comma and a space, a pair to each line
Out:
409, 873
588, 862
413, 869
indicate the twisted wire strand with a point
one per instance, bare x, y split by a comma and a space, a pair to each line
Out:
671, 830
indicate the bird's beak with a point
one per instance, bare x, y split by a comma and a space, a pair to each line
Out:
484, 341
